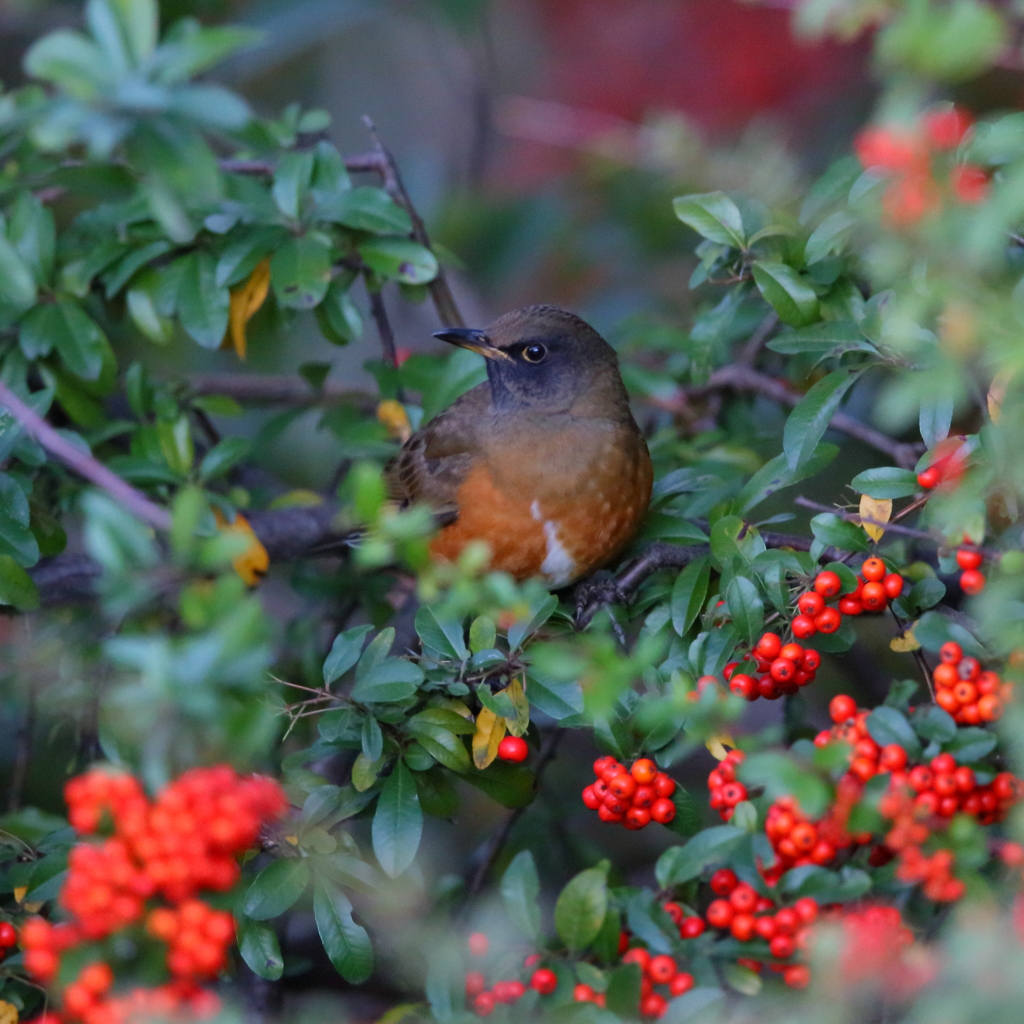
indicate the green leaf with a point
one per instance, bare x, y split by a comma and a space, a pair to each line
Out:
16, 586
276, 888
679, 864
393, 679
32, 231
832, 530
810, 419
70, 61
301, 271
260, 949
826, 336
745, 608
775, 474
78, 339
713, 215
887, 725
885, 482
970, 745
371, 738
581, 906
202, 304
445, 636
223, 456
439, 740
935, 419
933, 724
520, 889
366, 209
540, 611
688, 819
397, 823
742, 979
691, 1004
345, 652
623, 993
291, 181
339, 319
688, 594
933, 629
436, 792
345, 942
399, 259
786, 292
782, 774
556, 698
483, 634
512, 785
830, 235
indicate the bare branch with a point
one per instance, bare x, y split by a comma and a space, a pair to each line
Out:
858, 519
274, 389
84, 464
737, 377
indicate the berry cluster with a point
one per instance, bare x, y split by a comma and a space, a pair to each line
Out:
748, 917
184, 841
970, 695
908, 155
972, 581
508, 990
660, 970
725, 789
783, 669
635, 797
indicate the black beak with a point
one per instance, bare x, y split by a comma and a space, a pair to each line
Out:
473, 339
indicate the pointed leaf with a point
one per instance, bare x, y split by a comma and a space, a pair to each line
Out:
345, 942
397, 823
276, 888
520, 889
688, 594
580, 909
810, 419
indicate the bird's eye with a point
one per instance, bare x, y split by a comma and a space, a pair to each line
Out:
534, 353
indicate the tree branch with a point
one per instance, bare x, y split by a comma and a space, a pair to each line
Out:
288, 535
739, 377
593, 596
274, 389
84, 464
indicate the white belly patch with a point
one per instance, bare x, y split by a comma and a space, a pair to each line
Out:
558, 566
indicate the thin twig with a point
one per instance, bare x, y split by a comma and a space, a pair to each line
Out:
498, 840
274, 389
917, 653
755, 343
858, 519
22, 754
84, 464
444, 301
737, 377
380, 318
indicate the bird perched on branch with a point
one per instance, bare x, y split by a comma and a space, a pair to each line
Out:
544, 461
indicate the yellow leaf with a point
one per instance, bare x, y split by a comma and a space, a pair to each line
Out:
997, 392
905, 642
8, 1013
246, 299
455, 705
253, 562
878, 509
395, 419
400, 1012
490, 731
19, 892
294, 840
716, 745
515, 692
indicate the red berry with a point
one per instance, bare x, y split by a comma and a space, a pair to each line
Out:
828, 620
951, 653
663, 785
873, 570
842, 708
850, 605
873, 597
475, 983
827, 583
623, 786
768, 646
811, 661
782, 946
8, 935
967, 558
972, 582
680, 984
807, 909
661, 969
720, 913
782, 670
478, 944
893, 584
797, 976
691, 927
893, 757
544, 981
591, 799
640, 817
723, 881
644, 771
970, 183
928, 479
744, 685
946, 128
484, 1004
513, 748
810, 603
663, 811
653, 1005
804, 627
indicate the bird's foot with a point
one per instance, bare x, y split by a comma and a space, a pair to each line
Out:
601, 590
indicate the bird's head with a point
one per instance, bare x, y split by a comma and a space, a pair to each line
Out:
543, 359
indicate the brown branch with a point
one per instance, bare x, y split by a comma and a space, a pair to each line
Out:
274, 389
84, 464
593, 596
498, 840
858, 519
737, 377
755, 343
288, 534
380, 318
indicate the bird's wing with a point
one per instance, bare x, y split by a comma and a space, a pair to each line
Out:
433, 463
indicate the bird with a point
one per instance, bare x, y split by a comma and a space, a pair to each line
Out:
543, 461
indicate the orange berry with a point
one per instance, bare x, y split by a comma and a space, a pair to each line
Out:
873, 570
644, 771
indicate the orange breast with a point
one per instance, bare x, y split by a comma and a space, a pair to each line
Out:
549, 525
